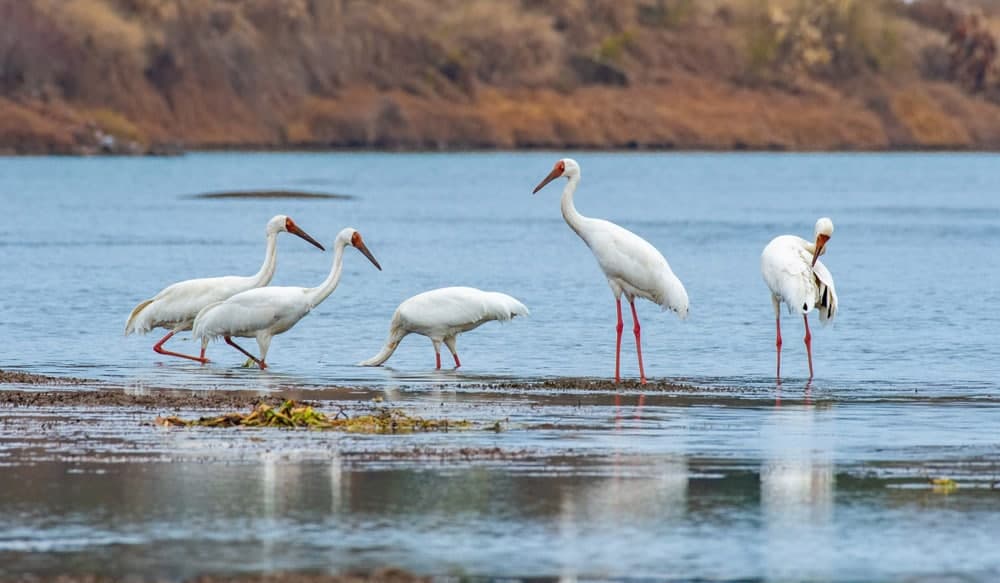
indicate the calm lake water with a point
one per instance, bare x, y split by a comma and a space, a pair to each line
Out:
742, 480
914, 256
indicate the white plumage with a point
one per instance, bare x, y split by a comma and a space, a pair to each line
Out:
631, 264
263, 313
796, 277
176, 306
442, 314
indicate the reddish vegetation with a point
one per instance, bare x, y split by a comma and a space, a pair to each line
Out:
127, 75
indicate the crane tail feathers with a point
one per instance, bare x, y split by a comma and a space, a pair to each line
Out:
133, 325
675, 297
504, 307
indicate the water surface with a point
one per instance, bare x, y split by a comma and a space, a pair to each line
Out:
739, 479
913, 255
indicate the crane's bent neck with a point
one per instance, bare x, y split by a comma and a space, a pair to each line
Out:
266, 273
574, 219
316, 295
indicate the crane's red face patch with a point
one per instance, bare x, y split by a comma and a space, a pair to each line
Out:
356, 239
289, 224
557, 171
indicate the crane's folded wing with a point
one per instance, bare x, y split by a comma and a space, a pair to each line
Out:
826, 293
234, 318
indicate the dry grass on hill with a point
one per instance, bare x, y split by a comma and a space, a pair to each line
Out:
81, 75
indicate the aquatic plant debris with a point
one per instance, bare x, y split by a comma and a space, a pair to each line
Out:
943, 485
291, 414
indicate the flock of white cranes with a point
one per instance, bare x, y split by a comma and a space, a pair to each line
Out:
244, 307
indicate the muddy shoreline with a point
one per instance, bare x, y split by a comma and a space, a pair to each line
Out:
155, 399
383, 575
27, 378
93, 393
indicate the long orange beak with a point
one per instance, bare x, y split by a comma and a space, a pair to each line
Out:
295, 230
556, 173
820, 243
360, 246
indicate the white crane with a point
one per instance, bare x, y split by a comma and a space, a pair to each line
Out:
442, 314
795, 275
265, 312
631, 264
176, 306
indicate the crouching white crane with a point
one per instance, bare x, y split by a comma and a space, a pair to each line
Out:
265, 312
795, 275
176, 306
442, 314
631, 264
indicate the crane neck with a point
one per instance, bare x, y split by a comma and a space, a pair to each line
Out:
266, 273
573, 218
316, 295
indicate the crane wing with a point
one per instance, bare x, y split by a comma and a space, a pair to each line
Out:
636, 265
457, 307
826, 293
785, 266
180, 303
244, 314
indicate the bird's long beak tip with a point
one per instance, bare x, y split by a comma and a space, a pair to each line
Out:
305, 236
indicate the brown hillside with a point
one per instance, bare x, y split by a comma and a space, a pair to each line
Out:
126, 75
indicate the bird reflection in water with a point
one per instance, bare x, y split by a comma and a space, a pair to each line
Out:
639, 404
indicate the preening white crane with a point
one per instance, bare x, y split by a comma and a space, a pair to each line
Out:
795, 275
176, 306
442, 314
265, 312
631, 264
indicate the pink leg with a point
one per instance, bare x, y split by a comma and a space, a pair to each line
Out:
259, 362
777, 343
638, 341
158, 348
809, 347
437, 355
457, 363
618, 343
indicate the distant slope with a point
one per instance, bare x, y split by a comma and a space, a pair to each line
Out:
81, 76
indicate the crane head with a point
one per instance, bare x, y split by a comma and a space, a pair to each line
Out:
358, 243
283, 223
566, 167
824, 230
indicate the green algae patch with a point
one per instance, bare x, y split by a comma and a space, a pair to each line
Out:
291, 414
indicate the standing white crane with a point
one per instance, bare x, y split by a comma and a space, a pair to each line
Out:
631, 264
265, 312
795, 275
176, 306
442, 314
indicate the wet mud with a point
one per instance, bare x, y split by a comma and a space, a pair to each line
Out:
25, 378
384, 575
155, 399
595, 384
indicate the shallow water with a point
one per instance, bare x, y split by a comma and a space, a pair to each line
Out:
740, 479
914, 256
587, 485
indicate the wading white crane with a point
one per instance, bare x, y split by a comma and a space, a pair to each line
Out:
633, 266
265, 312
796, 277
442, 314
176, 306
